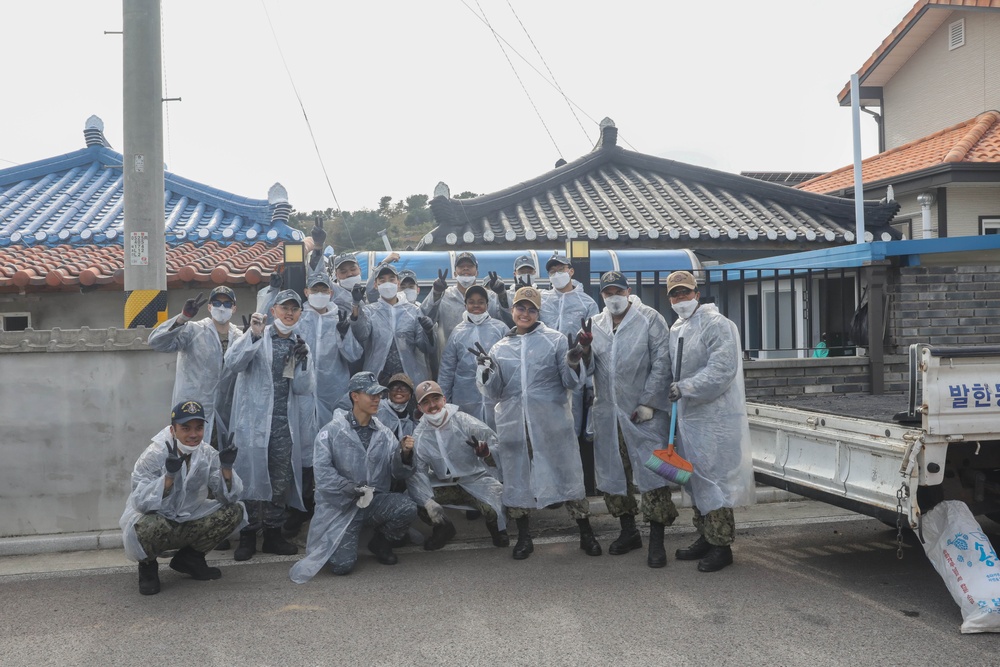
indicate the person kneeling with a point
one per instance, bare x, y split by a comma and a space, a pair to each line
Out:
184, 496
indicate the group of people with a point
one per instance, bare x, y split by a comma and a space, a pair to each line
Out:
329, 409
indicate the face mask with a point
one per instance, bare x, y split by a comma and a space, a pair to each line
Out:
187, 451
319, 301
399, 407
436, 419
466, 281
388, 290
411, 294
616, 304
685, 308
350, 282
477, 319
560, 280
283, 328
220, 314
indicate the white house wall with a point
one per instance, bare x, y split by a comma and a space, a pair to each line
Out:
967, 204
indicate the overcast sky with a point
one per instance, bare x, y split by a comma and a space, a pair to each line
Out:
404, 94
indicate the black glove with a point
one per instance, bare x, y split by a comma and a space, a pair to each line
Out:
496, 284
675, 392
174, 460
584, 338
521, 283
301, 351
227, 455
482, 359
276, 281
441, 284
343, 322
318, 234
575, 353
359, 293
192, 306
246, 324
481, 448
427, 324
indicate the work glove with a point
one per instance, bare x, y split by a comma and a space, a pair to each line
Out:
427, 324
227, 455
643, 413
363, 495
257, 321
479, 446
585, 338
521, 283
246, 324
301, 351
675, 392
359, 293
484, 363
275, 282
575, 353
343, 322
496, 284
174, 460
192, 306
441, 284
434, 511
318, 235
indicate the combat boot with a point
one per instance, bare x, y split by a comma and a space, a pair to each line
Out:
716, 559
293, 524
500, 537
587, 540
189, 561
380, 546
248, 545
441, 533
524, 545
628, 539
274, 543
149, 578
696, 551
657, 553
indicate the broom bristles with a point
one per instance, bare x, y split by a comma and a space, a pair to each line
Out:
667, 471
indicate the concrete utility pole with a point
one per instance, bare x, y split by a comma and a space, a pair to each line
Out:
144, 238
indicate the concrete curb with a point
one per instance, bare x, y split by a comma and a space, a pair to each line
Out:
112, 539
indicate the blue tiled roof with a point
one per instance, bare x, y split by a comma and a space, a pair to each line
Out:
77, 199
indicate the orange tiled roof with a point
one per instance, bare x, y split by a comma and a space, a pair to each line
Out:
975, 140
66, 266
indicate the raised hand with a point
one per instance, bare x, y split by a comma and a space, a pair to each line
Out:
227, 455
441, 284
479, 446
483, 361
495, 283
343, 322
257, 321
276, 281
575, 353
318, 234
521, 282
359, 293
246, 324
192, 306
585, 337
174, 460
301, 351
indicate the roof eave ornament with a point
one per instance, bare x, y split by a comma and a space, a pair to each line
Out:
609, 134
442, 190
93, 132
277, 197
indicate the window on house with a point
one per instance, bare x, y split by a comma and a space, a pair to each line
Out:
956, 34
989, 225
904, 226
15, 321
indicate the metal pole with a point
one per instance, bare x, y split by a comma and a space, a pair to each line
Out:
144, 238
859, 190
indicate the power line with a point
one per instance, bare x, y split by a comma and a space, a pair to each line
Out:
166, 92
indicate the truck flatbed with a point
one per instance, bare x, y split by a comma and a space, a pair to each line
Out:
860, 406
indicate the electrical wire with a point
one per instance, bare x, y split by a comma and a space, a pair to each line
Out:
166, 93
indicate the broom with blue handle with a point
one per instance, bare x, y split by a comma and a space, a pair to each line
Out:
667, 463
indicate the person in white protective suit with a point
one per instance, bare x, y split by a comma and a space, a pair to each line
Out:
356, 459
274, 419
201, 348
326, 328
530, 373
398, 411
397, 338
629, 359
713, 430
457, 376
564, 306
446, 304
452, 451
185, 496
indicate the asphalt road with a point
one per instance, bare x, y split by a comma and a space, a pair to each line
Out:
805, 590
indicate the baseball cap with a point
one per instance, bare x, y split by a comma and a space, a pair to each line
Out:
319, 278
407, 274
287, 295
387, 268
342, 258
525, 260
465, 256
224, 291
428, 388
402, 378
477, 289
366, 383
185, 411
529, 294
614, 279
557, 259
681, 279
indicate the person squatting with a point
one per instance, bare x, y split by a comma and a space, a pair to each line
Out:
469, 399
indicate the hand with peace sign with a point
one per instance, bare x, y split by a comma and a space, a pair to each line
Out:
227, 455
174, 460
479, 446
343, 322
441, 284
483, 360
585, 337
192, 306
496, 284
575, 353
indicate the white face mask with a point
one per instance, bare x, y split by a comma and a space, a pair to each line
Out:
398, 407
560, 280
685, 308
477, 319
320, 300
220, 314
187, 451
411, 294
466, 281
283, 328
350, 282
617, 304
388, 290
437, 418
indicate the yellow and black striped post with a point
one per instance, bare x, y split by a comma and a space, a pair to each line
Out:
145, 308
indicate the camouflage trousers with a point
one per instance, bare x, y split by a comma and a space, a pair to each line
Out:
456, 495
657, 505
718, 527
157, 533
271, 514
389, 513
578, 509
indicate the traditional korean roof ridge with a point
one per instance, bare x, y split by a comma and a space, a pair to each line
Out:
613, 193
976, 140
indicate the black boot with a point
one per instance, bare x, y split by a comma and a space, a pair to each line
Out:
274, 543
189, 561
293, 524
587, 540
716, 559
628, 539
657, 554
440, 535
380, 546
524, 545
248, 545
224, 545
149, 578
695, 551
500, 537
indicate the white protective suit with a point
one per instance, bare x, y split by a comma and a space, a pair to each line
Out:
563, 311
714, 434
391, 420
457, 375
531, 383
252, 405
631, 367
188, 499
333, 355
442, 456
201, 375
341, 464
378, 324
448, 311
